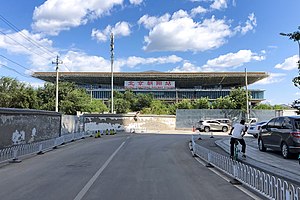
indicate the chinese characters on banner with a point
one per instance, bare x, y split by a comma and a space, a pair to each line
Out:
149, 84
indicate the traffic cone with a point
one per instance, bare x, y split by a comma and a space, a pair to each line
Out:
193, 129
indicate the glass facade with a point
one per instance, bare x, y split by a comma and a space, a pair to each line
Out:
175, 95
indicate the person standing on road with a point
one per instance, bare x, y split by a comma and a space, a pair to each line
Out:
238, 131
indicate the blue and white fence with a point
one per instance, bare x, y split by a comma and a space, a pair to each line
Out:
14, 153
268, 185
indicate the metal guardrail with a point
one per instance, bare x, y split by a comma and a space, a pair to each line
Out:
13, 153
268, 185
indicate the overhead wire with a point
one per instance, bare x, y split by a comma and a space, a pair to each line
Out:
23, 45
44, 49
22, 74
15, 63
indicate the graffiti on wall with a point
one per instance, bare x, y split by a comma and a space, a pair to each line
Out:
18, 137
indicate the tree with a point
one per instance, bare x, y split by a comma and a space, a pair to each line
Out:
295, 36
184, 104
71, 99
141, 101
263, 106
223, 103
14, 94
239, 98
96, 106
202, 103
157, 107
121, 105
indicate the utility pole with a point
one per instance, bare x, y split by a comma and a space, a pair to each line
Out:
112, 70
247, 98
56, 96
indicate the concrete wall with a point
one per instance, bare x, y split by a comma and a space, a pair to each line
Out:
127, 123
187, 118
71, 124
19, 126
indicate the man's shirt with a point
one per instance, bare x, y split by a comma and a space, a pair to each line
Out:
238, 130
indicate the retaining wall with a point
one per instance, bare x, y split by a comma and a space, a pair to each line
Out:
20, 126
126, 122
187, 118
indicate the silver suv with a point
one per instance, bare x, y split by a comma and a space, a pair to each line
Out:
211, 125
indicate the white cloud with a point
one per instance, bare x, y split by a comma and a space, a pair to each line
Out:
39, 49
179, 31
271, 79
183, 34
120, 29
232, 60
136, 2
186, 67
150, 22
250, 24
219, 4
179, 14
198, 10
290, 63
79, 61
222, 63
134, 61
54, 16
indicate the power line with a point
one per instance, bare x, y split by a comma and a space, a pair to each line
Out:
16, 63
22, 74
26, 37
23, 45
45, 50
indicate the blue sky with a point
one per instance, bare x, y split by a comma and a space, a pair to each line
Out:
167, 36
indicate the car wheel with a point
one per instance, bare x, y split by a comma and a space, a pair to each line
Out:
206, 129
224, 129
285, 150
261, 145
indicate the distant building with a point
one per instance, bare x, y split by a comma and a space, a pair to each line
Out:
166, 86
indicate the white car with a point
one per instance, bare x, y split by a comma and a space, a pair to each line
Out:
211, 125
254, 129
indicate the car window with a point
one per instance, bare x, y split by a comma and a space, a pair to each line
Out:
271, 123
278, 123
287, 123
297, 123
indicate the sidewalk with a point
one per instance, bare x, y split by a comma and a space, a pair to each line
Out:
266, 161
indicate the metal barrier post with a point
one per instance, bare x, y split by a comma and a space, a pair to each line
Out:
15, 157
40, 149
235, 181
209, 156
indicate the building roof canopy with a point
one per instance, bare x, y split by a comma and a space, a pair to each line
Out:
182, 80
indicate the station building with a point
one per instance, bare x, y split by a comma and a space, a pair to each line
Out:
166, 86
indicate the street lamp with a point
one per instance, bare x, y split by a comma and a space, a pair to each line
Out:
247, 98
296, 37
112, 70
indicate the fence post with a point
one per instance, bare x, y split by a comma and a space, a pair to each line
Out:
209, 157
235, 181
15, 157
40, 149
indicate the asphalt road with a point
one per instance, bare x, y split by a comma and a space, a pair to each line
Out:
144, 166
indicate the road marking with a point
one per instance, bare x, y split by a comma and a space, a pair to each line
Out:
252, 195
85, 189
